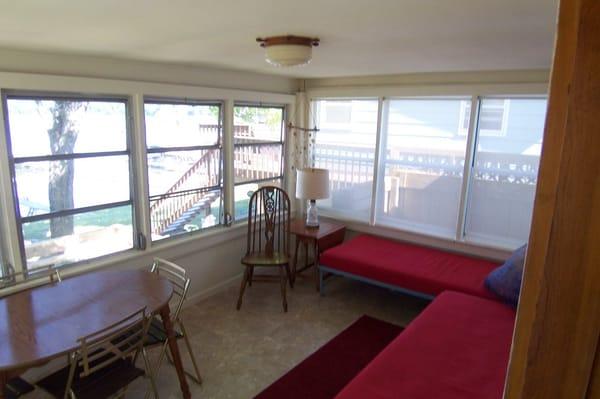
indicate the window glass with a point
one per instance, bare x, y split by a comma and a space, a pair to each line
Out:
258, 152
184, 167
254, 124
72, 172
422, 165
504, 174
345, 144
182, 125
90, 126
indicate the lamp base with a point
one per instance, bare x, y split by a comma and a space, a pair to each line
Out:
312, 216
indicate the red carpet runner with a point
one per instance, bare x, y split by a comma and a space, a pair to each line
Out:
323, 374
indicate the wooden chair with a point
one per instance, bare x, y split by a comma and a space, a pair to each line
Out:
104, 364
17, 386
268, 243
156, 333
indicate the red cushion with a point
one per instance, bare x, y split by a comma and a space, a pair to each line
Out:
458, 348
413, 267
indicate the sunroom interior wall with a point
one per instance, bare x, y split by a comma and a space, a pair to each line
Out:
452, 84
212, 257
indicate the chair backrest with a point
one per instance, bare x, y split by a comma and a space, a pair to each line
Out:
177, 275
122, 340
44, 275
269, 221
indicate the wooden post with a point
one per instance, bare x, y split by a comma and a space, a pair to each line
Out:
558, 320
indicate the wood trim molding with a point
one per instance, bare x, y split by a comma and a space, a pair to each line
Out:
558, 320
289, 39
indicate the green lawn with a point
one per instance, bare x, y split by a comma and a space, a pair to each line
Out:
38, 231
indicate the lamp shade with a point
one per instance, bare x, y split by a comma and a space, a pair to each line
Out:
312, 184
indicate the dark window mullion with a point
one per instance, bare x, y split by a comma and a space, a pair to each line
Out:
259, 144
185, 192
64, 157
160, 150
74, 211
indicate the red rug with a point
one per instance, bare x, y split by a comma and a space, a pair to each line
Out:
323, 374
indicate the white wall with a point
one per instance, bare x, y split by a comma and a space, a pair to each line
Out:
212, 257
111, 68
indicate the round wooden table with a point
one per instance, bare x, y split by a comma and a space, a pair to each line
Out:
43, 323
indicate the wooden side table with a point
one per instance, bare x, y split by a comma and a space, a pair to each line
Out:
327, 235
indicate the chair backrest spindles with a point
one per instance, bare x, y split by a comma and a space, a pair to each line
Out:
268, 221
120, 341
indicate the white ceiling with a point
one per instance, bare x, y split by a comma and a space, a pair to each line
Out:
358, 37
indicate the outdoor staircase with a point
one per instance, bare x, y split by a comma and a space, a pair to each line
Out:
203, 206
184, 201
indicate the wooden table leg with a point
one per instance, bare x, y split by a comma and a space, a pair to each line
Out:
317, 264
3, 381
165, 314
295, 265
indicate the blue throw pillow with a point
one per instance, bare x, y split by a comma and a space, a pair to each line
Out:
505, 280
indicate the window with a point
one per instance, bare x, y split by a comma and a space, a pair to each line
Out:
493, 117
70, 161
422, 165
347, 149
258, 135
184, 166
504, 175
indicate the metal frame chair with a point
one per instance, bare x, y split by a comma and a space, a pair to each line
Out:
12, 278
177, 275
105, 354
268, 238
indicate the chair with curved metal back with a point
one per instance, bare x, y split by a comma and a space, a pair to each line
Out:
45, 275
157, 335
268, 243
104, 364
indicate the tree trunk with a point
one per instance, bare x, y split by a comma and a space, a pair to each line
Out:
63, 136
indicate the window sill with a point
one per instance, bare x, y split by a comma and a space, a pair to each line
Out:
487, 251
185, 245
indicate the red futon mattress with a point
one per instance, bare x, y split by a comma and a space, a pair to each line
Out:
457, 348
412, 267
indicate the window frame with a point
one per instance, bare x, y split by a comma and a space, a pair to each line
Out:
20, 220
266, 143
465, 110
476, 93
162, 150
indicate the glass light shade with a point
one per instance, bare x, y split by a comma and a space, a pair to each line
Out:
312, 184
288, 54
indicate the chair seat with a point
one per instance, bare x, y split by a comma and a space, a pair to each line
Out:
157, 334
262, 259
99, 385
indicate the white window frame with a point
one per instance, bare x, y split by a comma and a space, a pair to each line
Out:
475, 92
281, 142
135, 91
12, 160
162, 150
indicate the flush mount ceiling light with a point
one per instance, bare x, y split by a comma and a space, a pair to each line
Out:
288, 50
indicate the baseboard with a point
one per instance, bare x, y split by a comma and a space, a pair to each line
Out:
222, 286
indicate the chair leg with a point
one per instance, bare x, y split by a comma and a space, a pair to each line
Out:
283, 284
163, 352
243, 287
150, 373
251, 275
289, 275
196, 377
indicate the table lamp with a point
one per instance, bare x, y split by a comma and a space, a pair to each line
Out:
312, 184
